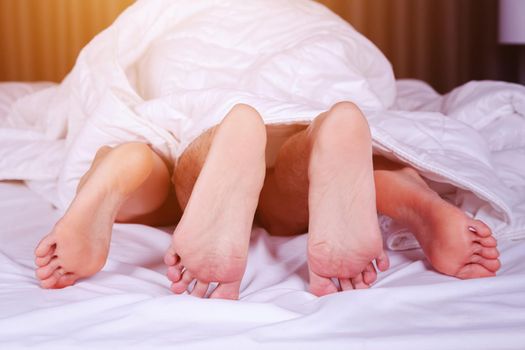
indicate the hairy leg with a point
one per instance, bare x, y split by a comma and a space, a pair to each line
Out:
218, 181
454, 244
128, 183
323, 182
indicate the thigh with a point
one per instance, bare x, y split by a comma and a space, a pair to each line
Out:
189, 165
283, 203
277, 136
192, 160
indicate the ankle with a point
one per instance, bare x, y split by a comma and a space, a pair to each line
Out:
404, 202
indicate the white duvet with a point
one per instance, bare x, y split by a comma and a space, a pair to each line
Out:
166, 70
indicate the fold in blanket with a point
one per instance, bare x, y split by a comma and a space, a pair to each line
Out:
167, 70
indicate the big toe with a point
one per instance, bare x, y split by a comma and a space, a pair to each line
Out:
66, 280
45, 246
228, 291
474, 271
480, 228
320, 285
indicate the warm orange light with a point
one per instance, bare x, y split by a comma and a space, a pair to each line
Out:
40, 39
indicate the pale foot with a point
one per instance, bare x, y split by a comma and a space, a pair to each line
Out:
344, 237
455, 244
210, 244
78, 245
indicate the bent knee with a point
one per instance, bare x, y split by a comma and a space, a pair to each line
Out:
134, 154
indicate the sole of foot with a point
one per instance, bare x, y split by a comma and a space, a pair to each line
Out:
454, 243
210, 243
344, 237
78, 245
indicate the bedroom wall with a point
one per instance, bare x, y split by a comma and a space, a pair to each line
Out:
445, 42
40, 39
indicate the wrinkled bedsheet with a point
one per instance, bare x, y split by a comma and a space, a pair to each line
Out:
128, 305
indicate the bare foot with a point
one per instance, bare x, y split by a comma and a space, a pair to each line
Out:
455, 244
78, 245
344, 237
210, 244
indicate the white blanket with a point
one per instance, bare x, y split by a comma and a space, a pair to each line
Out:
166, 70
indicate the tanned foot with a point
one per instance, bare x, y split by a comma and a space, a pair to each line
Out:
78, 245
210, 244
344, 237
455, 244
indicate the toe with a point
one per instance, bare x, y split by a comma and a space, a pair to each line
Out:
42, 261
320, 285
358, 282
51, 281
488, 242
45, 246
382, 261
370, 274
175, 273
200, 289
490, 264
489, 253
480, 228
66, 280
47, 270
474, 271
486, 252
346, 284
228, 291
181, 286
171, 258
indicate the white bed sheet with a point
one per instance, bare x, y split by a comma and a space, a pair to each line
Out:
129, 305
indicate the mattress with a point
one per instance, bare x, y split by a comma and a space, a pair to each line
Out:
129, 305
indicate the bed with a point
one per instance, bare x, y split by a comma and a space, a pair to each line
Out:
129, 304
468, 144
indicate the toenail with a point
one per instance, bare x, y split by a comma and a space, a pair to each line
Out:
472, 229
